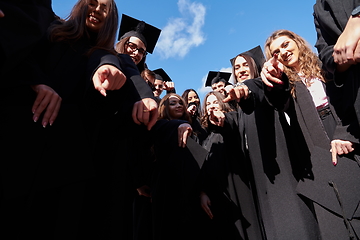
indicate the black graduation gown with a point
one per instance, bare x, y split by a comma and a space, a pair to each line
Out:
110, 124
277, 167
330, 18
173, 192
335, 189
28, 197
228, 181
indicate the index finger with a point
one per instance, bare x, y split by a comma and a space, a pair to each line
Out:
333, 154
98, 79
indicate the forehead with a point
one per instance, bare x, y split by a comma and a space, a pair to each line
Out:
174, 98
211, 98
102, 2
157, 81
276, 43
240, 60
192, 93
137, 41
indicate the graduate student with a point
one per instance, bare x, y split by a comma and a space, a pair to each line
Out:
218, 81
276, 166
137, 39
225, 184
192, 101
56, 189
117, 128
337, 27
178, 160
247, 65
162, 82
327, 188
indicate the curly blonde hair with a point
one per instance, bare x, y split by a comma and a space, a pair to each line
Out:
310, 64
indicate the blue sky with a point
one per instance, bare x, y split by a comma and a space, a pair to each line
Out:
199, 36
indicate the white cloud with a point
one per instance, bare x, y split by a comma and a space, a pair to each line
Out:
181, 34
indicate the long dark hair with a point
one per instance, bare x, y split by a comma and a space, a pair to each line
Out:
224, 107
185, 97
164, 108
74, 27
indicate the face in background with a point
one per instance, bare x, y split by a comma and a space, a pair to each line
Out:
136, 49
159, 87
212, 104
193, 97
219, 87
241, 69
287, 51
149, 79
96, 15
176, 107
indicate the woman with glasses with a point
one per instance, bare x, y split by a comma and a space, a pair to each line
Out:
136, 39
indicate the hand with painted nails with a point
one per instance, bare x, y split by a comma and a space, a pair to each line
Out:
47, 101
340, 147
272, 71
108, 77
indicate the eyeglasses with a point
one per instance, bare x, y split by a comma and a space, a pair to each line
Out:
134, 47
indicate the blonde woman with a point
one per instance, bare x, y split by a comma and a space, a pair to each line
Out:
293, 72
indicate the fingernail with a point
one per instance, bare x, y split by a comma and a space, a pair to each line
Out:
334, 163
35, 119
44, 124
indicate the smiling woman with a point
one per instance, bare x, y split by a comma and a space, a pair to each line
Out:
91, 24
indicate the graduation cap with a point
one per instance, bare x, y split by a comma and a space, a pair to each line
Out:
131, 27
160, 74
215, 77
257, 54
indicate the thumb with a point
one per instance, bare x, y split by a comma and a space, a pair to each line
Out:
99, 79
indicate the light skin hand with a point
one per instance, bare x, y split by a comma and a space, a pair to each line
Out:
340, 147
144, 191
272, 71
108, 77
145, 111
237, 93
184, 131
169, 86
46, 100
347, 50
217, 118
191, 110
205, 204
